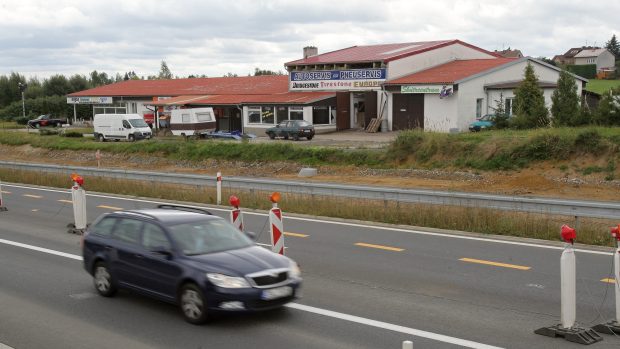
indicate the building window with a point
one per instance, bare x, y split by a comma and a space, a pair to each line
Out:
254, 115
267, 115
185, 118
478, 108
508, 106
116, 108
321, 115
296, 113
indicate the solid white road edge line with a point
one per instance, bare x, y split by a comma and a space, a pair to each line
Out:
324, 312
428, 233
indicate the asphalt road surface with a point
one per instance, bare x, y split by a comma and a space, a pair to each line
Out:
365, 286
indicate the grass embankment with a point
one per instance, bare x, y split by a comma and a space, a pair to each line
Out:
479, 220
601, 86
482, 151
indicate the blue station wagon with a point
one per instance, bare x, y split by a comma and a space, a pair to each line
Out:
187, 257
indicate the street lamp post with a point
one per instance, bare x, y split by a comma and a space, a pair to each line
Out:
22, 88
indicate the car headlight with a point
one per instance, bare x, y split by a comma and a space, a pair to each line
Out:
295, 272
225, 281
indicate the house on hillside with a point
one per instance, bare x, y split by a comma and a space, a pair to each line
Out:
510, 53
601, 57
604, 60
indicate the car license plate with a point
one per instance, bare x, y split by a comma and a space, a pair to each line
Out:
277, 292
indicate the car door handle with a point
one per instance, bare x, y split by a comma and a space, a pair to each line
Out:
137, 255
108, 247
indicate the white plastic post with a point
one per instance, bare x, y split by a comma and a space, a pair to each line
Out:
407, 345
2, 207
78, 196
568, 287
276, 229
236, 218
219, 188
617, 280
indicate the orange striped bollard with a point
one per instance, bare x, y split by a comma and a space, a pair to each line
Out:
236, 216
276, 225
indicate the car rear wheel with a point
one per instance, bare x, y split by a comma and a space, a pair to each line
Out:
193, 305
103, 280
296, 137
37, 126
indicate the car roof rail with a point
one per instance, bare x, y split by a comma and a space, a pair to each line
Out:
184, 208
140, 214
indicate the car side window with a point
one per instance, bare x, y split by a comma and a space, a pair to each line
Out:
104, 227
126, 124
154, 237
128, 230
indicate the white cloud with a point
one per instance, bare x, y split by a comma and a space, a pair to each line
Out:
215, 37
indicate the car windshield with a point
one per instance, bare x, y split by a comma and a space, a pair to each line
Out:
138, 123
488, 117
202, 237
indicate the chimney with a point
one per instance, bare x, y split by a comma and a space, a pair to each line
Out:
310, 51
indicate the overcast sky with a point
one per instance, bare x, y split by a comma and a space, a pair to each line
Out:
42, 38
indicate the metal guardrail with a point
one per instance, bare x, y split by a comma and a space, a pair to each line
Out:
577, 208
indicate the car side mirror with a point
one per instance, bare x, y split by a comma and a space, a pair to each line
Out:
251, 235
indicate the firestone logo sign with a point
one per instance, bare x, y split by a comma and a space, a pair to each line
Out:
355, 79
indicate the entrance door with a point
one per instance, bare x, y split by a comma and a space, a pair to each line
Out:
408, 111
343, 118
370, 99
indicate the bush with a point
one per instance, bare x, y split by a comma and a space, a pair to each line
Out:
587, 71
48, 132
21, 120
590, 141
72, 134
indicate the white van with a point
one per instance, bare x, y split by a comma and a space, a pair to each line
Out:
121, 126
192, 121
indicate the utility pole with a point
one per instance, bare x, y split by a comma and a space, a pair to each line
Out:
22, 88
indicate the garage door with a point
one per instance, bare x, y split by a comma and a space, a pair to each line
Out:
408, 111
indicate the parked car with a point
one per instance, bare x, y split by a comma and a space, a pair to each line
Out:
187, 257
291, 128
482, 123
46, 120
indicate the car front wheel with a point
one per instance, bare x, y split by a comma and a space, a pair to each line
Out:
103, 280
193, 304
101, 138
131, 138
309, 137
296, 137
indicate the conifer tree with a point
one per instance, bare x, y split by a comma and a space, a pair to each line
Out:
529, 102
565, 102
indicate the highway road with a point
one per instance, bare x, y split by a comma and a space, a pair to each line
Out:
365, 286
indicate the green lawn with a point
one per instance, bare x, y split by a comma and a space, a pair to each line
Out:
601, 86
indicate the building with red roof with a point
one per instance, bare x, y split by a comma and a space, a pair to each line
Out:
434, 85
